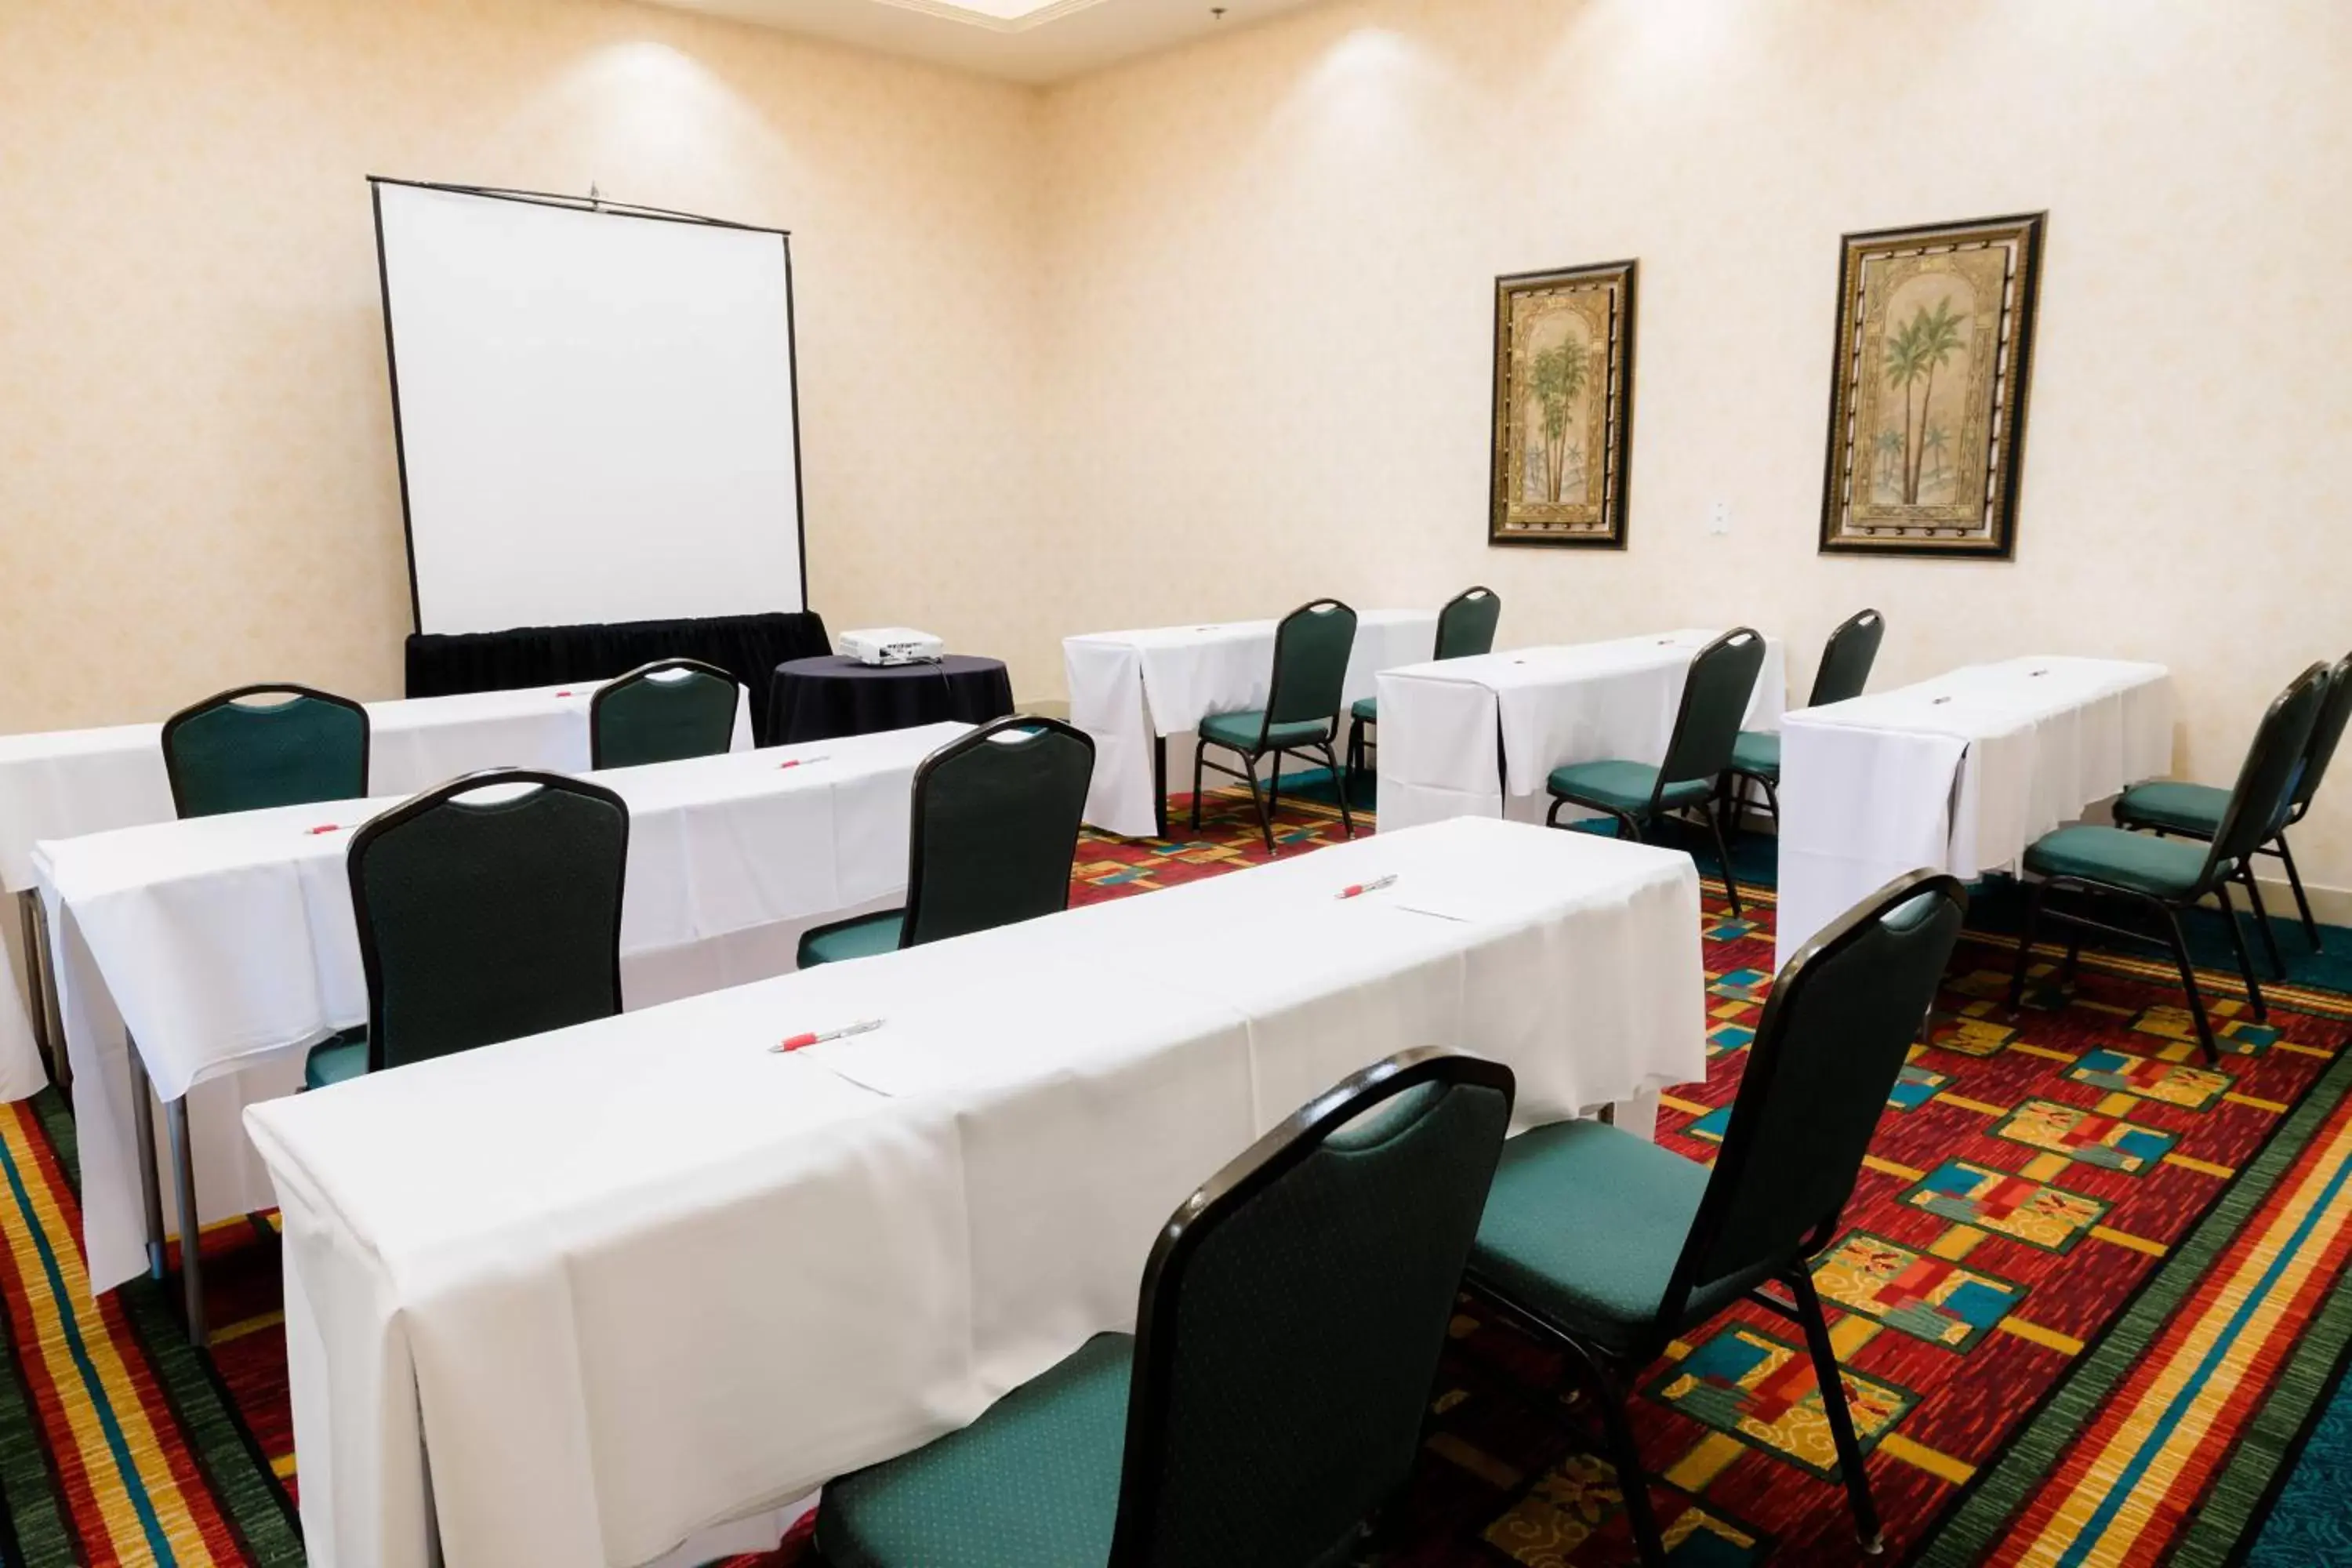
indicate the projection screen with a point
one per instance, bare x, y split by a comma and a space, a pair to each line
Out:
595, 410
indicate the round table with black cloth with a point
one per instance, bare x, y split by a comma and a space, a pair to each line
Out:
823, 699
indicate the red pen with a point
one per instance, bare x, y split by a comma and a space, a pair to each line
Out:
818, 1038
326, 828
1358, 889
798, 762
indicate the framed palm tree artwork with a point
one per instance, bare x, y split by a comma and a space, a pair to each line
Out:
1563, 406
1935, 345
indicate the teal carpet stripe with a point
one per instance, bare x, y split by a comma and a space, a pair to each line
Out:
39, 1527
250, 1498
2311, 1524
102, 1406
1981, 1516
2242, 1495
2120, 1489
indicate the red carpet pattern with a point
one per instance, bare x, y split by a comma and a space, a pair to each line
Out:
2031, 1176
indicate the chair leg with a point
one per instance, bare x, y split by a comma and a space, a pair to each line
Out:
2179, 946
1347, 817
1771, 802
2072, 966
2034, 899
2302, 903
1257, 798
1200, 754
2263, 920
1723, 857
2238, 946
1832, 1388
1625, 1456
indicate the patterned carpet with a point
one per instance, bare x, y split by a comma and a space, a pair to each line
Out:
2084, 1281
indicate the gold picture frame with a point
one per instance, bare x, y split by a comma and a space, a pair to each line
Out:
1563, 412
1935, 353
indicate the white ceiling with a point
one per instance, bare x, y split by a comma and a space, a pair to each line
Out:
1021, 40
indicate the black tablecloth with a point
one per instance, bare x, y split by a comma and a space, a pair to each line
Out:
747, 647
819, 698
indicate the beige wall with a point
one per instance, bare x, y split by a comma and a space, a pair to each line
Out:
196, 476
1269, 343
1209, 334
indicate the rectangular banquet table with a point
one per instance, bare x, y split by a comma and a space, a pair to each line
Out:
1479, 736
1131, 690
223, 943
66, 783
655, 1276
1959, 773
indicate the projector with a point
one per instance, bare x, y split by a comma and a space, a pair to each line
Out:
891, 644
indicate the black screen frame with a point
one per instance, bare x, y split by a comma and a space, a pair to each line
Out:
588, 204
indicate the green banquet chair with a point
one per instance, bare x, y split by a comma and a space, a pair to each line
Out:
995, 827
662, 712
1271, 1399
230, 753
1301, 715
1715, 694
1466, 628
1612, 1247
2194, 810
2169, 875
1845, 670
488, 908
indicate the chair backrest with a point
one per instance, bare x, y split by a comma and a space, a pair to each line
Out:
995, 827
1465, 626
660, 712
2325, 732
1715, 699
1833, 1040
1292, 1316
489, 919
1310, 663
1852, 649
2266, 780
227, 753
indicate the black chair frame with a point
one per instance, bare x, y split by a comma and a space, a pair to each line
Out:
1736, 779
1711, 812
1360, 753
261, 688
1609, 1375
434, 799
1265, 1162
2168, 933
1268, 799
919, 792
643, 671
2275, 845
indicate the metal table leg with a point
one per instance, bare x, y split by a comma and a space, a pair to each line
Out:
1160, 785
35, 996
41, 981
150, 1183
184, 1183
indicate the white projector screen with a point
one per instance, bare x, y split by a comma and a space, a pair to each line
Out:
594, 411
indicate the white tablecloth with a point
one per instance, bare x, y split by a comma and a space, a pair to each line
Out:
1127, 688
68, 783
654, 1276
1959, 773
1545, 708
222, 942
